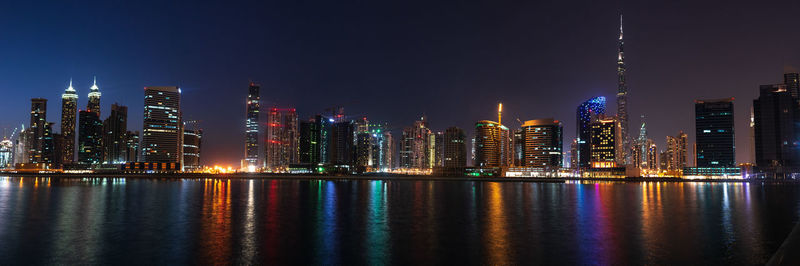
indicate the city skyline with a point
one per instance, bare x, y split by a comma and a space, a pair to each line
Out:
520, 84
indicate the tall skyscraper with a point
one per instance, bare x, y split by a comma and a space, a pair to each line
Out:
542, 144
493, 143
606, 142
192, 143
676, 152
290, 138
37, 129
94, 98
252, 125
48, 145
363, 152
387, 157
622, 93
415, 146
21, 146
114, 129
69, 111
777, 129
161, 127
283, 139
455, 148
342, 140
714, 133
90, 132
593, 106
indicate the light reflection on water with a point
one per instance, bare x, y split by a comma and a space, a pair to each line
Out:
179, 221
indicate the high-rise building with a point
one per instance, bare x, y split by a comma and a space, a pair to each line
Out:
415, 146
542, 143
114, 129
492, 144
518, 144
283, 139
132, 151
90, 132
252, 125
192, 144
161, 129
342, 141
36, 131
290, 138
714, 133
777, 129
573, 154
587, 109
437, 140
363, 152
387, 159
622, 94
606, 142
69, 111
455, 148
94, 98
48, 145
676, 152
21, 146
6, 153
382, 147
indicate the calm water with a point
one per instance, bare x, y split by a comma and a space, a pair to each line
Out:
138, 221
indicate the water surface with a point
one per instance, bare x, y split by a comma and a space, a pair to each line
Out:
179, 221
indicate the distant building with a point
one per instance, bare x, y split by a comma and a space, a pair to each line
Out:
587, 109
382, 146
676, 152
455, 148
49, 145
283, 139
542, 143
415, 146
114, 129
69, 112
363, 152
341, 146
21, 146
573, 154
90, 132
792, 83
36, 131
714, 129
518, 147
606, 142
161, 129
192, 143
252, 125
777, 128
132, 151
6, 153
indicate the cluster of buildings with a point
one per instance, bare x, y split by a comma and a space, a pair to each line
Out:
88, 142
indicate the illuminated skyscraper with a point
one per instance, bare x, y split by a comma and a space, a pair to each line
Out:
542, 143
48, 144
283, 139
676, 152
69, 110
21, 146
90, 132
622, 94
132, 150
114, 129
386, 159
342, 141
6, 153
36, 131
94, 98
415, 146
593, 106
606, 142
161, 129
252, 125
714, 132
492, 144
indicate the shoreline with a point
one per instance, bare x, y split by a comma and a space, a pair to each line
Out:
383, 176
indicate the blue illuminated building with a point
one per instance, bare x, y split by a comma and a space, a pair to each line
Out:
593, 106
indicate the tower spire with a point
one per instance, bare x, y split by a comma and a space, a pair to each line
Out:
622, 94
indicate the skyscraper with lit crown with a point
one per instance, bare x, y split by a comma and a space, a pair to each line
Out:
69, 110
94, 98
622, 94
161, 129
593, 106
252, 125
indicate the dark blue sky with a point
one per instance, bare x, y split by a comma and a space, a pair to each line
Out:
395, 61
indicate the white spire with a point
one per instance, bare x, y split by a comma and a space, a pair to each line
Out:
620, 26
70, 92
94, 85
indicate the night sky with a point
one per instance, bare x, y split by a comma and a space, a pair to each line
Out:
395, 61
